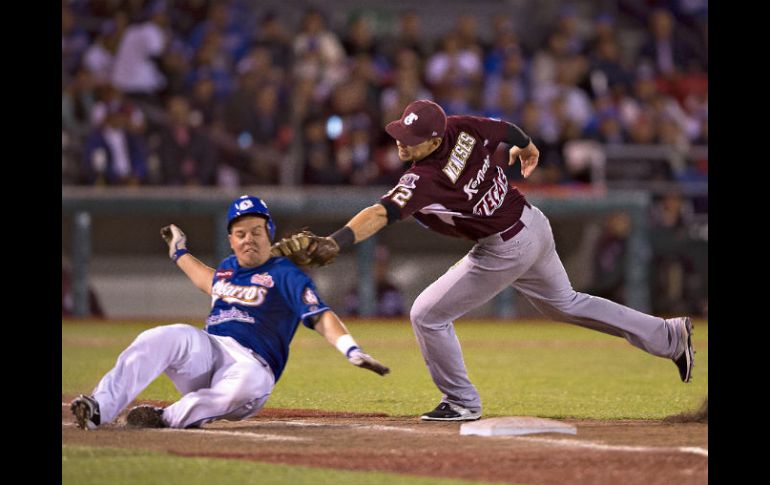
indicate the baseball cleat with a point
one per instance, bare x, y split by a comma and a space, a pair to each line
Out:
145, 416
451, 412
86, 411
686, 359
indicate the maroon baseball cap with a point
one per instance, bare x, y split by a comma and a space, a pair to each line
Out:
421, 121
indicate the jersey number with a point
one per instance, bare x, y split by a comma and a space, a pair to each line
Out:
401, 196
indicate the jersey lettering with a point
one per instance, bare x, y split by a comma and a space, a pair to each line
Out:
470, 188
493, 198
459, 156
228, 315
401, 196
244, 295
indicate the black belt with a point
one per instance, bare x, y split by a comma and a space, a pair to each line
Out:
514, 229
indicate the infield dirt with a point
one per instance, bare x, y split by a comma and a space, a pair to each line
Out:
627, 451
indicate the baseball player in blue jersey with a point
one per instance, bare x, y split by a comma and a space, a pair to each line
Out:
228, 370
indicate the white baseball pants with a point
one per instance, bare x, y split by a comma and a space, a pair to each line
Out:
218, 377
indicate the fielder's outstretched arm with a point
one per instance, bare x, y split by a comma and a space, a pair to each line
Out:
362, 226
334, 331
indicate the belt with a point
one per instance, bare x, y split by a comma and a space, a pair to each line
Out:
514, 229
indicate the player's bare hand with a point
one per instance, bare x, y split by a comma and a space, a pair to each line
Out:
365, 361
175, 239
528, 155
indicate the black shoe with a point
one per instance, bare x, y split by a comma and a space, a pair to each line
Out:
145, 416
86, 411
686, 359
451, 412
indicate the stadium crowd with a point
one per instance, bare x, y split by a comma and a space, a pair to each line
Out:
198, 92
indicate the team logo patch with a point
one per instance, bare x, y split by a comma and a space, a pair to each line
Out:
263, 279
224, 274
411, 118
408, 180
309, 297
246, 204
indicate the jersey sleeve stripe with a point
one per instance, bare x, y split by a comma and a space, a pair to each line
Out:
316, 312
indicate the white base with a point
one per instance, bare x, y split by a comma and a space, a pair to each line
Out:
515, 425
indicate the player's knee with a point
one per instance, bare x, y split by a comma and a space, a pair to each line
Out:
255, 383
423, 315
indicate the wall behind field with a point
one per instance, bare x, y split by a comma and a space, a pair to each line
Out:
133, 277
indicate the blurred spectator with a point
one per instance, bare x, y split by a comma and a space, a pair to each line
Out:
569, 25
268, 123
320, 168
272, 36
136, 69
205, 108
466, 30
187, 156
545, 61
675, 277
176, 61
453, 66
351, 129
318, 53
99, 57
359, 38
223, 23
604, 29
188, 14
665, 48
68, 295
504, 43
113, 154
506, 91
389, 301
406, 87
610, 258
606, 71
409, 35
74, 42
212, 62
77, 101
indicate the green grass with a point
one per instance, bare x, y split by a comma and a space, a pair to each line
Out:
524, 368
533, 369
119, 466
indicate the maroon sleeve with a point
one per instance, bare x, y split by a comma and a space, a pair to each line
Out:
492, 129
411, 194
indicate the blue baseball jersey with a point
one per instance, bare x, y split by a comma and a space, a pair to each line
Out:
261, 307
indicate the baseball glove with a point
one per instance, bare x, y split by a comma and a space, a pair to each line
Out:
307, 249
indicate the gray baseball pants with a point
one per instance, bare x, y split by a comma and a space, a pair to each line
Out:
529, 263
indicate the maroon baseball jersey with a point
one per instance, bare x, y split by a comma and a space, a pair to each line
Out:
459, 190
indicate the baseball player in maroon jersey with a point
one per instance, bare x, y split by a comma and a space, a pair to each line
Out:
454, 187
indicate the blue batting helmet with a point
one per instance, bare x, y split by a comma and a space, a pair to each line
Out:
247, 204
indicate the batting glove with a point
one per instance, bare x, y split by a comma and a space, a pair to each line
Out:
358, 358
176, 240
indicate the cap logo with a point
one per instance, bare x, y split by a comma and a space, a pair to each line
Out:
246, 204
411, 118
